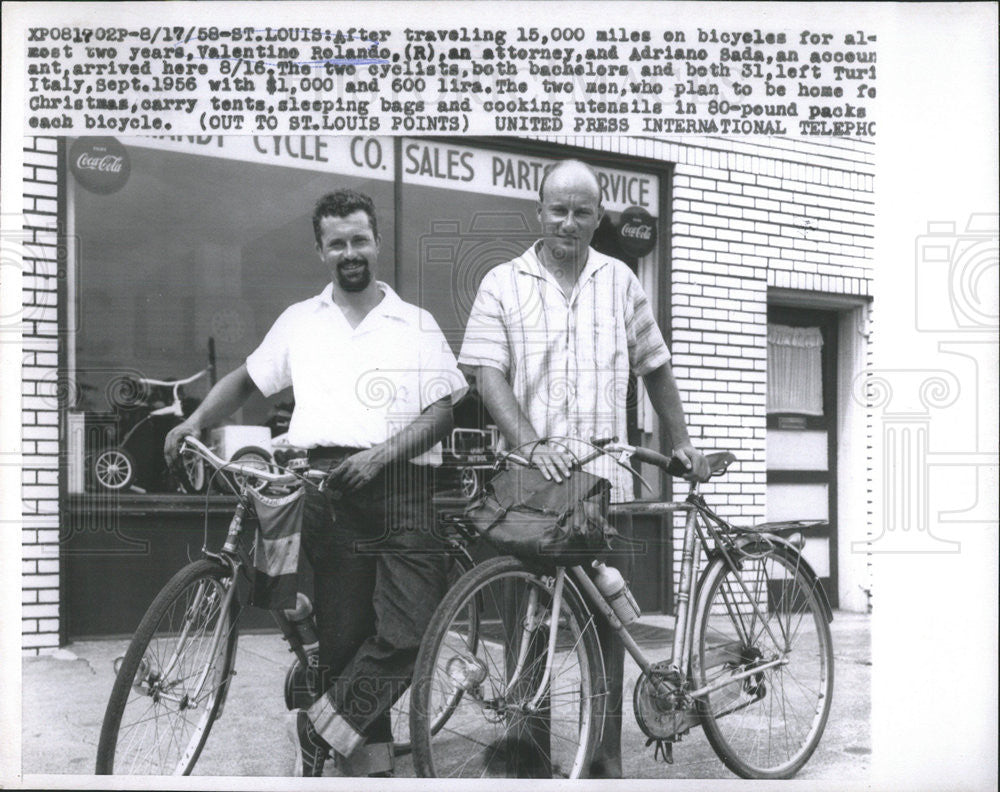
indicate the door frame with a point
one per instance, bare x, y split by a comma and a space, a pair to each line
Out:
828, 323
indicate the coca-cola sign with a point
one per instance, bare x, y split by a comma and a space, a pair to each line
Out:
99, 164
637, 231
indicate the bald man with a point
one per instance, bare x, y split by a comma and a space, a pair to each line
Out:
550, 341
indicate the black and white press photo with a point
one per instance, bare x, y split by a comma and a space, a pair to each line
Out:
550, 391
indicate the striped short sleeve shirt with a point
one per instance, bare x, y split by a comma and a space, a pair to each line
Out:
567, 358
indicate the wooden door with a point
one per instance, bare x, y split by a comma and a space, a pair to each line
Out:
802, 447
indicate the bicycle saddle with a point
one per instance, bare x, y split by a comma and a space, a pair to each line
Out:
720, 461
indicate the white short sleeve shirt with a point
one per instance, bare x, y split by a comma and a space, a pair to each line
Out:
356, 387
567, 358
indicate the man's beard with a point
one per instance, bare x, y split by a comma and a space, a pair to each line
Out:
356, 283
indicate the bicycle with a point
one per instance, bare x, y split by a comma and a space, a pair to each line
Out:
751, 655
172, 682
116, 469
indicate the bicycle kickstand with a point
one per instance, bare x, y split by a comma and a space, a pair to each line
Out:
664, 749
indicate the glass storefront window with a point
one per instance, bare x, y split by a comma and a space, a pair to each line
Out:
209, 237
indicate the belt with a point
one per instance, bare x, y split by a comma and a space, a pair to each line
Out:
324, 453
331, 452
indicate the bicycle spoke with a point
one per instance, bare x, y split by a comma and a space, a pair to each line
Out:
491, 729
175, 677
768, 723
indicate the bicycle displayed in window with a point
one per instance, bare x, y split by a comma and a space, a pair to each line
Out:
751, 657
172, 682
135, 459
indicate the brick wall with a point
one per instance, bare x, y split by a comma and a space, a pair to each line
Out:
40, 393
742, 222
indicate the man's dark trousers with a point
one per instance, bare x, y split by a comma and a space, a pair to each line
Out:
379, 573
607, 762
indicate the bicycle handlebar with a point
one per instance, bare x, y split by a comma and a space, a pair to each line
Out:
611, 447
193, 444
671, 465
172, 383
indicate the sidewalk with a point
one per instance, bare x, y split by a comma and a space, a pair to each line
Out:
64, 696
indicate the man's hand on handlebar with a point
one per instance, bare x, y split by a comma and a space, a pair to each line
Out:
357, 470
555, 463
694, 461
172, 443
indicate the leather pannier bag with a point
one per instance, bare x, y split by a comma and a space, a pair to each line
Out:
522, 514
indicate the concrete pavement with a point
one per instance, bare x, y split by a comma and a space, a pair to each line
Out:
64, 697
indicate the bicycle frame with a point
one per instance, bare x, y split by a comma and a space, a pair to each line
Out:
679, 666
217, 637
234, 553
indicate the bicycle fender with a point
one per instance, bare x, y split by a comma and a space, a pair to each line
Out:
808, 572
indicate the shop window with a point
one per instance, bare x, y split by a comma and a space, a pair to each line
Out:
209, 238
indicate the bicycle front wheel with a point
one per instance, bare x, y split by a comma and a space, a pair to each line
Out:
173, 679
766, 616
504, 718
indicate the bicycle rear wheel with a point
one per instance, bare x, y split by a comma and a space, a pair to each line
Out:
173, 679
461, 563
768, 615
498, 725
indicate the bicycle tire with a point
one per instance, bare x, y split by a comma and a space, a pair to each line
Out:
114, 469
491, 730
255, 456
232, 483
769, 724
400, 716
302, 683
189, 606
469, 482
191, 474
